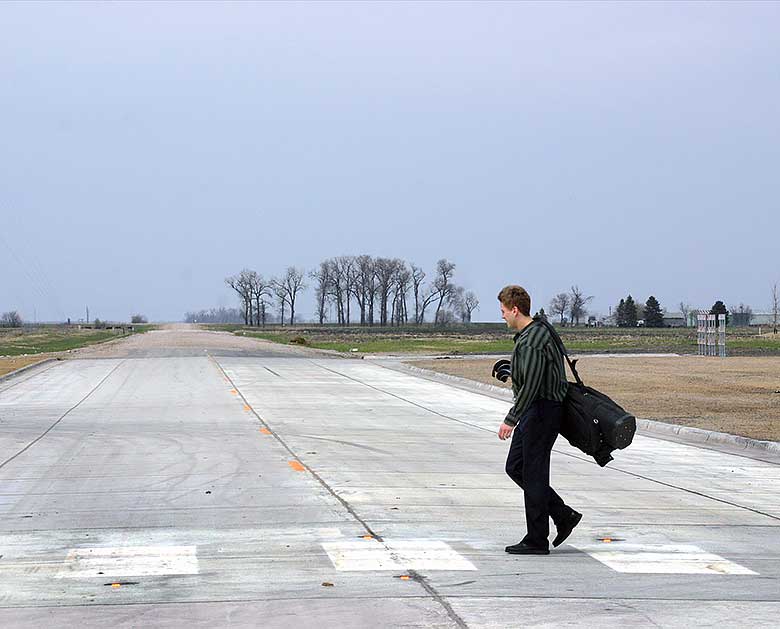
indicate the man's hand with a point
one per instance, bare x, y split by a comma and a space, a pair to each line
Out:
504, 431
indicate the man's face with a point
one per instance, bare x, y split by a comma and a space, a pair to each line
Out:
509, 315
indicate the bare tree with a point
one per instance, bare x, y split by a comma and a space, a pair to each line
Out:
560, 304
342, 278
259, 289
386, 269
456, 304
469, 304
337, 277
463, 304
364, 287
775, 307
685, 310
292, 284
577, 304
11, 319
362, 268
427, 296
401, 285
447, 317
323, 290
424, 296
371, 294
279, 291
242, 284
442, 285
418, 275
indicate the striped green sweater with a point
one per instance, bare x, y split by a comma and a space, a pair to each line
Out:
537, 370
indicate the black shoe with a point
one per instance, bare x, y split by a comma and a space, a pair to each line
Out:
565, 528
521, 548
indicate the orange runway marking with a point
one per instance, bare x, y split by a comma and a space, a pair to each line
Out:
265, 431
296, 466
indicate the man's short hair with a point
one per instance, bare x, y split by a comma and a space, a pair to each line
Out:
516, 296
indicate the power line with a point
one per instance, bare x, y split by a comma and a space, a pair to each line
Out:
38, 280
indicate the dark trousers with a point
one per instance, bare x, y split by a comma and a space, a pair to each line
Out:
528, 464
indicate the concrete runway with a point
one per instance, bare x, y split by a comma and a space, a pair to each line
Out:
276, 491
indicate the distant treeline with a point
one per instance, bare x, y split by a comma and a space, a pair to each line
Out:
215, 315
357, 289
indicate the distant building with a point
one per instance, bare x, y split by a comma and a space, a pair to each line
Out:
763, 318
674, 320
609, 321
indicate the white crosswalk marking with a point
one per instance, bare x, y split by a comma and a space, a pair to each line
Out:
411, 554
135, 561
661, 559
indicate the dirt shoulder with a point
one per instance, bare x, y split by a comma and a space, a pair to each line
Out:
9, 364
736, 395
169, 340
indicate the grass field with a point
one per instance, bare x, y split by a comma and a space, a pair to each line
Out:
494, 338
46, 339
738, 395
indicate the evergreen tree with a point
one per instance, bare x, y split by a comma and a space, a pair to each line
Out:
620, 314
719, 308
654, 317
629, 313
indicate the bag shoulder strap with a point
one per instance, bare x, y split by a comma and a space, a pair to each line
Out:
559, 343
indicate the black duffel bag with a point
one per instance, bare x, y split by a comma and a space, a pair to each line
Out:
592, 422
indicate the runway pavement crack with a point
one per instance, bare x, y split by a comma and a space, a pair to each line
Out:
581, 458
403, 399
416, 576
63, 416
476, 387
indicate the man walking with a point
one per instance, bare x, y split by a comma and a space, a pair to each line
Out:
539, 386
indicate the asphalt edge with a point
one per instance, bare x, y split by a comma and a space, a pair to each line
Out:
685, 433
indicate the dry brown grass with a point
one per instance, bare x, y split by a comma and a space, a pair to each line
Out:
737, 395
7, 365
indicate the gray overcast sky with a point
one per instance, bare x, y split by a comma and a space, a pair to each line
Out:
149, 150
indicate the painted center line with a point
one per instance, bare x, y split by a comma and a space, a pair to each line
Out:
662, 559
133, 561
412, 554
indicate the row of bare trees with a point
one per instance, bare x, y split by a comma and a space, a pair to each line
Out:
572, 303
214, 315
11, 319
257, 294
382, 290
